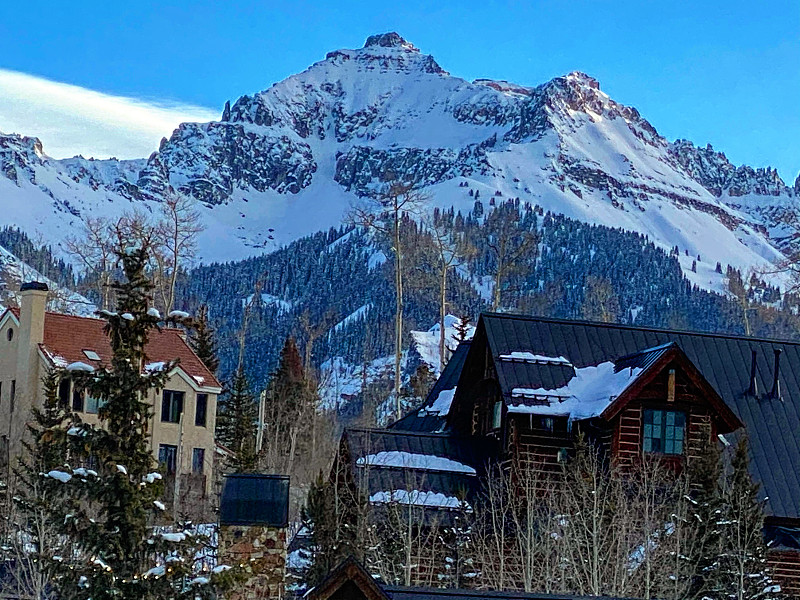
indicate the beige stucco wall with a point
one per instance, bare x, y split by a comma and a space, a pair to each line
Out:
13, 426
20, 368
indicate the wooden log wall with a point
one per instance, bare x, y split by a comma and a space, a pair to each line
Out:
785, 566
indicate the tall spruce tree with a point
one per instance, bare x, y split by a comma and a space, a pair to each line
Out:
740, 570
236, 423
115, 552
202, 339
39, 509
288, 411
704, 476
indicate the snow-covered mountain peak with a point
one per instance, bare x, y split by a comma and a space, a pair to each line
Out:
391, 39
290, 160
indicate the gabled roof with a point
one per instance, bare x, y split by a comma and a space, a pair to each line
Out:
772, 424
351, 578
651, 362
424, 418
67, 337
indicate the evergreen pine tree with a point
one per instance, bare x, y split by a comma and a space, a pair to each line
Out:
289, 406
114, 550
202, 339
743, 572
319, 517
738, 570
39, 510
236, 423
462, 328
704, 476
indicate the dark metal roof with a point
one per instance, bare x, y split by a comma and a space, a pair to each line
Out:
255, 499
395, 592
372, 478
772, 424
421, 420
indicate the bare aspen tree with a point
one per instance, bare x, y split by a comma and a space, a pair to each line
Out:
384, 214
311, 331
600, 302
93, 249
176, 235
742, 289
493, 526
513, 246
447, 251
405, 536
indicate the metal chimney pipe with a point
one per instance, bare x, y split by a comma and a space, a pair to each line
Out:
753, 389
776, 383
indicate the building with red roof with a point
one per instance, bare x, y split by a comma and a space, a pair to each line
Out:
33, 341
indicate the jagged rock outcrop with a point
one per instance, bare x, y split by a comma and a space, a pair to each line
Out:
290, 160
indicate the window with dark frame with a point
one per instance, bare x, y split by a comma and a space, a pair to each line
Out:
171, 406
198, 460
77, 400
201, 410
63, 391
664, 431
497, 414
167, 457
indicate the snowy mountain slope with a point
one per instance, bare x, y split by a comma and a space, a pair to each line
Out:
289, 161
14, 272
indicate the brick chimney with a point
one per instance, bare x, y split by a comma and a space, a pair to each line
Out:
253, 517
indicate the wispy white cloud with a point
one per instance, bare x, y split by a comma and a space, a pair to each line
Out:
73, 120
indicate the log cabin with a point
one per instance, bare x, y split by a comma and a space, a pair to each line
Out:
526, 386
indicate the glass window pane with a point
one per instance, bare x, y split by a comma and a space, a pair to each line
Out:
670, 418
647, 445
657, 417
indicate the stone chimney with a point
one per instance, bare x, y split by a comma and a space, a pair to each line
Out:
253, 517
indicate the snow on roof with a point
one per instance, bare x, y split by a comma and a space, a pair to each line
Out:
586, 395
80, 366
530, 357
396, 458
417, 498
440, 406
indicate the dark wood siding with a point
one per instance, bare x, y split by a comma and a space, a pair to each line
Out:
627, 442
785, 565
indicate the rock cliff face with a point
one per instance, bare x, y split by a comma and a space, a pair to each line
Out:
291, 159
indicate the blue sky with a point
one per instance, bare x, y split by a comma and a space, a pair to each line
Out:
727, 73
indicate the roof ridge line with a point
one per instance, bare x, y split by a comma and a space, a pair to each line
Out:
404, 433
638, 328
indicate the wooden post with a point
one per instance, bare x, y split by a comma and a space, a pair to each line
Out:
671, 386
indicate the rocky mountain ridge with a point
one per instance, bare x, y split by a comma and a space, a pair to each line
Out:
290, 160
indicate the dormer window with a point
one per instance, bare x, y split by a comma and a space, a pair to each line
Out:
91, 355
664, 431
